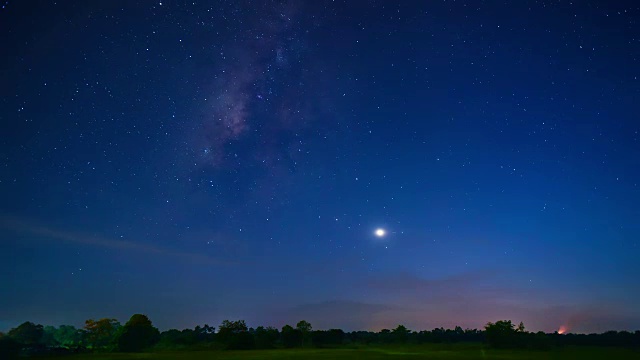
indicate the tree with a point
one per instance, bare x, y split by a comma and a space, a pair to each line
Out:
101, 333
305, 329
27, 333
204, 333
266, 338
385, 336
49, 336
137, 334
303, 326
291, 337
400, 334
235, 335
67, 336
328, 338
501, 334
232, 327
171, 338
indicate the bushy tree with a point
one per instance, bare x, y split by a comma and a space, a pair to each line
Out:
137, 334
305, 329
400, 334
232, 327
385, 336
204, 333
100, 334
48, 336
27, 333
290, 337
266, 338
173, 337
500, 334
333, 337
187, 337
68, 336
235, 335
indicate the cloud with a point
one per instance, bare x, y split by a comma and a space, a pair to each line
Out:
29, 227
410, 288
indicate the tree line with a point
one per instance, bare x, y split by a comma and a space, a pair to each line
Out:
139, 334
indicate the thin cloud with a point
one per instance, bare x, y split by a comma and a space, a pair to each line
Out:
409, 288
29, 227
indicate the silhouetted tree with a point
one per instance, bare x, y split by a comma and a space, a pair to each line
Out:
538, 341
27, 333
363, 337
137, 334
187, 337
266, 338
48, 336
385, 336
290, 337
68, 336
100, 334
400, 334
235, 335
205, 333
474, 335
501, 334
173, 337
231, 327
305, 328
333, 337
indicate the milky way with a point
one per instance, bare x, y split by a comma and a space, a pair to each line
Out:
258, 96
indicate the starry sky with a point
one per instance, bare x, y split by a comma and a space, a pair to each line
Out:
197, 161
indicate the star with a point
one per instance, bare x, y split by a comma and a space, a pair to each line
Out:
233, 133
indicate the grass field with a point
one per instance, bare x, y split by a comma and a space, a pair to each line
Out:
451, 352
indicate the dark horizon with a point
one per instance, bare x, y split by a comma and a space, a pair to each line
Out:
563, 330
357, 165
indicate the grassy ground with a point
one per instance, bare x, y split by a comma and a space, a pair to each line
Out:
374, 353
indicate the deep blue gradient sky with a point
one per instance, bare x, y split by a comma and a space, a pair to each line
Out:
200, 161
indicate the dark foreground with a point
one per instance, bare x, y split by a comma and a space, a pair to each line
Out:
409, 352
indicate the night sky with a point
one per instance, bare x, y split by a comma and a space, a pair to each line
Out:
197, 161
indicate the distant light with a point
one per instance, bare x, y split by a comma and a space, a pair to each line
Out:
563, 329
380, 232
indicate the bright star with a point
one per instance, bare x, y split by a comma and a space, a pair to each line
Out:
380, 232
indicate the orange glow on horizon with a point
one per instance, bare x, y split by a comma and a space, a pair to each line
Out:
563, 329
